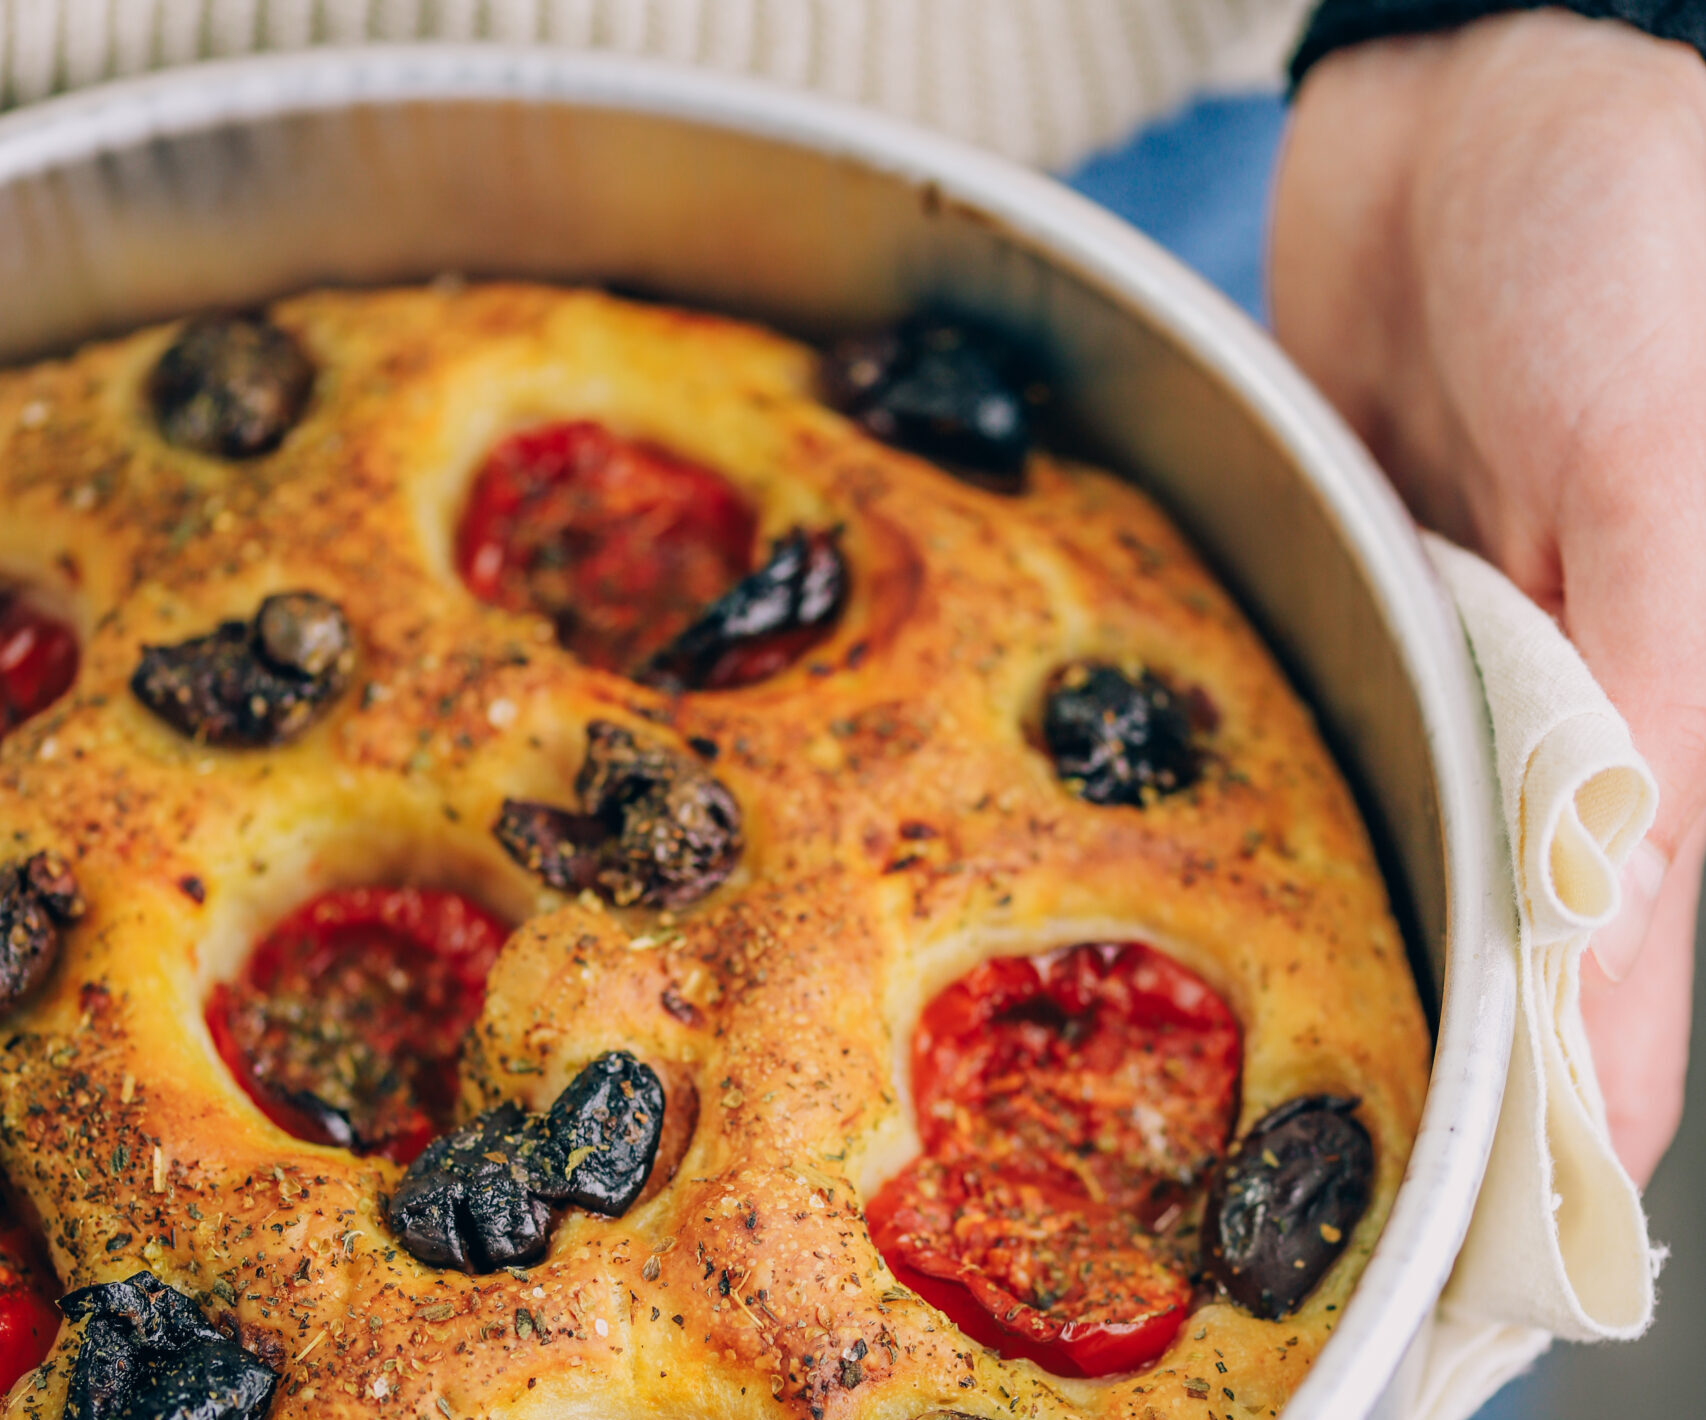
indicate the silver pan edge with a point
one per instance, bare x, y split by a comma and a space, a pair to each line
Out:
232, 182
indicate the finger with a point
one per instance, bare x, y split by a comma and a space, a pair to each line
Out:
1630, 506
1617, 944
1634, 590
1638, 1028
1633, 578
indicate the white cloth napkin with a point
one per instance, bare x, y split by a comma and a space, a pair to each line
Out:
1558, 1245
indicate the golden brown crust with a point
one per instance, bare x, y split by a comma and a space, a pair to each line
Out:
784, 1001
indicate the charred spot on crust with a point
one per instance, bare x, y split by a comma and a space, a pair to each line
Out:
149, 1354
955, 393
1281, 1211
38, 896
1115, 740
653, 828
480, 1198
230, 386
679, 1007
762, 623
252, 683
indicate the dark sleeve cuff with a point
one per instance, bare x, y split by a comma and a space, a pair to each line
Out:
1338, 23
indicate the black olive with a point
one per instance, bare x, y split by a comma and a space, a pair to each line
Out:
760, 623
38, 896
334, 1123
302, 632
557, 845
149, 1354
1115, 740
1283, 1206
480, 1197
608, 1122
955, 393
252, 683
209, 1381
470, 1201
230, 386
654, 827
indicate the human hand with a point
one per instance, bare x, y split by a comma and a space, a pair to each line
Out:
1489, 250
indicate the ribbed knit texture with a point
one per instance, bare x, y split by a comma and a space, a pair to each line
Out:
1044, 81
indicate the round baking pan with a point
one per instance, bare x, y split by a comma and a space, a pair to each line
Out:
229, 183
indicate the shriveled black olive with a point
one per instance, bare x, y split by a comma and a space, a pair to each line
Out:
955, 393
231, 386
1115, 740
480, 1198
607, 1125
38, 896
252, 683
558, 845
332, 1121
302, 632
209, 1381
1282, 1207
654, 827
761, 623
471, 1200
149, 1354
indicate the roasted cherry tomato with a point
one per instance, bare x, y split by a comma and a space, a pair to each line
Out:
346, 1022
1070, 1107
622, 544
38, 660
28, 1320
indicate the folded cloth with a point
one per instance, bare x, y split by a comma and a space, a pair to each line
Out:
1558, 1245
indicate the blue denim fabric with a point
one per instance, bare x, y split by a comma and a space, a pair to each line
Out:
1198, 183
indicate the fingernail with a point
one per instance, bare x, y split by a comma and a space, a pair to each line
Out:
1617, 944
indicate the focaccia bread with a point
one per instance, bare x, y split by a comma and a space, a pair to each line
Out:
983, 718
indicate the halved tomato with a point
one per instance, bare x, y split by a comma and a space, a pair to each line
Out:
1069, 1106
38, 660
347, 1020
622, 544
28, 1320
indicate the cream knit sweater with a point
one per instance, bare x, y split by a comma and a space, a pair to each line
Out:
1044, 81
